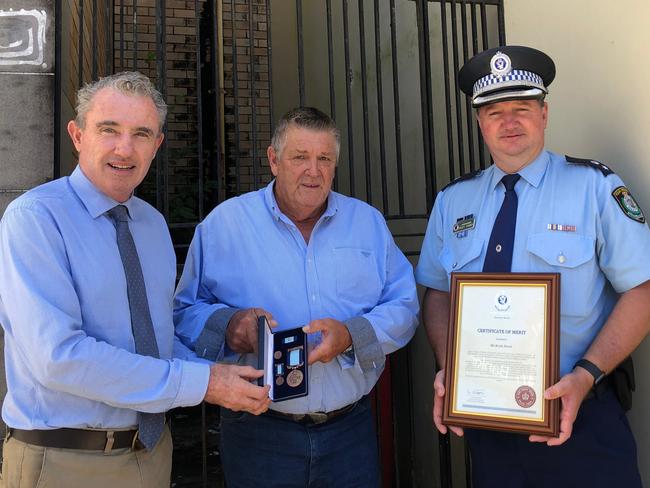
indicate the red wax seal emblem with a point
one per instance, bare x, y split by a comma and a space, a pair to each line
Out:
525, 396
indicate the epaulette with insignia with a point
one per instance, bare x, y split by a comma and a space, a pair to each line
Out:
467, 176
604, 169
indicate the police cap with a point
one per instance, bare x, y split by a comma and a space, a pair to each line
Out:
506, 73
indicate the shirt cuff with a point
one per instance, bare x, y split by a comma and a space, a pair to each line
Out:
367, 349
211, 340
194, 384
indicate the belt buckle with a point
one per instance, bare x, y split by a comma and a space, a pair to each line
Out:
318, 417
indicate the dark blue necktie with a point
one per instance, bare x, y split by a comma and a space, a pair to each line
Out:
150, 425
499, 252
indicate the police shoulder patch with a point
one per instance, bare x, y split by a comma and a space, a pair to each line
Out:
465, 177
628, 204
603, 168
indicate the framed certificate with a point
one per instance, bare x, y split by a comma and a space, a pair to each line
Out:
503, 352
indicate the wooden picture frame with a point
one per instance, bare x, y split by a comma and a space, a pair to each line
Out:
503, 352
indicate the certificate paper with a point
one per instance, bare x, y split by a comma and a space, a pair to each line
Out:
503, 352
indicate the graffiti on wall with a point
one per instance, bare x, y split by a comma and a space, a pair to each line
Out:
22, 37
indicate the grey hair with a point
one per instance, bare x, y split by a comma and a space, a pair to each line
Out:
306, 118
126, 82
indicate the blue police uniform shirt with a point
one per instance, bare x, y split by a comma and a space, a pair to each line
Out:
69, 349
568, 221
247, 253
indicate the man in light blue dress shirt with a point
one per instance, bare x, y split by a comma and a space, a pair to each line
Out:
302, 255
574, 217
75, 383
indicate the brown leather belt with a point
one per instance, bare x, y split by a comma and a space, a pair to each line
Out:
91, 440
313, 417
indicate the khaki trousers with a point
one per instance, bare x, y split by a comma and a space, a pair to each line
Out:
29, 466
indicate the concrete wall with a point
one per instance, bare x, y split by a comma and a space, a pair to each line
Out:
599, 108
27, 101
26, 97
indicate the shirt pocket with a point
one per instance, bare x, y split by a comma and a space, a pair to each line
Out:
574, 257
462, 258
358, 279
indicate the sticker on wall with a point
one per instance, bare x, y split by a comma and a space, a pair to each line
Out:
22, 37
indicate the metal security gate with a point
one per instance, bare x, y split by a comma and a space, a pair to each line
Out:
386, 70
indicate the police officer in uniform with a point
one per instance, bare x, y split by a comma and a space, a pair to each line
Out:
537, 211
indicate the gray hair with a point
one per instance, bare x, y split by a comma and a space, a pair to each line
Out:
126, 82
306, 118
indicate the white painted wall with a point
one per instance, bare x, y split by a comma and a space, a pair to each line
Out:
599, 106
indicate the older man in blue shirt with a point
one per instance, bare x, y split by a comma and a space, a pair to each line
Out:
86, 290
305, 256
571, 216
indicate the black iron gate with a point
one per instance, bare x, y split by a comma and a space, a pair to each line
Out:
386, 70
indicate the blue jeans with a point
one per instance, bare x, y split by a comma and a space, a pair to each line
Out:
601, 452
275, 452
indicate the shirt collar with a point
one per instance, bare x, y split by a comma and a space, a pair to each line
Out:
272, 204
532, 173
96, 202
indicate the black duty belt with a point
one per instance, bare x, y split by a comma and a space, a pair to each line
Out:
92, 440
313, 417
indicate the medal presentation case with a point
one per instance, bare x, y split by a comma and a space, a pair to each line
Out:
283, 357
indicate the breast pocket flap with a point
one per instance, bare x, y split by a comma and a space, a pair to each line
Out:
455, 258
563, 250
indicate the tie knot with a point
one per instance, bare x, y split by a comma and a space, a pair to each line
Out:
119, 213
509, 181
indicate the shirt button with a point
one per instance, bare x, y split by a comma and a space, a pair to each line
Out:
454, 265
561, 258
313, 298
498, 248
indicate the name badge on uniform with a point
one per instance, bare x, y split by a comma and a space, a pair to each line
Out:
464, 224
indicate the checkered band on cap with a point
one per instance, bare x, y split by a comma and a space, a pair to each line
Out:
516, 78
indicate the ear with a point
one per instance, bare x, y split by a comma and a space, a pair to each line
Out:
545, 114
273, 160
76, 133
